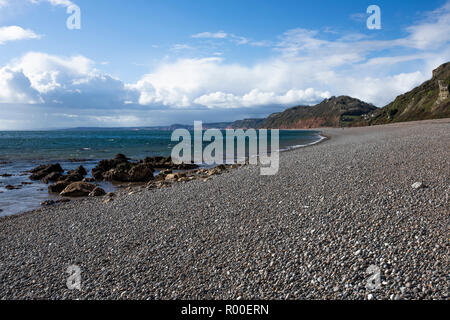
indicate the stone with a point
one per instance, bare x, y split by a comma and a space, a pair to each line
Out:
51, 177
43, 170
97, 192
48, 203
141, 173
11, 187
58, 187
80, 171
64, 200
418, 185
78, 189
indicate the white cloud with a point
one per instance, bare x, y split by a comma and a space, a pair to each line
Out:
68, 81
210, 35
257, 97
63, 3
14, 33
434, 32
16, 87
3, 3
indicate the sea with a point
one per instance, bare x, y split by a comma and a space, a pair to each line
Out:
20, 151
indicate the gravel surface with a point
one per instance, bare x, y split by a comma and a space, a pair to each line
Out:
310, 232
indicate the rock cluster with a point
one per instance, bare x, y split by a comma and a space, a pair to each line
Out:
70, 185
121, 169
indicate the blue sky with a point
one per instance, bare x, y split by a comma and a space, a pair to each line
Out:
147, 62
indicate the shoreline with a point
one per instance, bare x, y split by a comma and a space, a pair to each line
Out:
309, 232
110, 186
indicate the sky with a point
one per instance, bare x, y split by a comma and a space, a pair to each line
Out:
159, 62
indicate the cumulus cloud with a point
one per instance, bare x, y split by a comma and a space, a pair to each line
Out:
257, 97
16, 87
66, 81
14, 33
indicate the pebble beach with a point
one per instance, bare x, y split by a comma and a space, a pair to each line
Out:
365, 198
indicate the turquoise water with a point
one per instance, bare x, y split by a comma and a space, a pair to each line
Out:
23, 150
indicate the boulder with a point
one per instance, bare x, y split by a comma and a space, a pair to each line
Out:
5, 175
52, 177
72, 177
116, 175
40, 172
79, 171
78, 189
97, 192
141, 173
103, 169
58, 187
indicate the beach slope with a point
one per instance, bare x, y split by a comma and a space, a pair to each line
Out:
335, 213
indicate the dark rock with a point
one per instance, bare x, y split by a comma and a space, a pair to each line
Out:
58, 187
73, 177
97, 192
167, 163
52, 177
78, 189
104, 166
11, 187
40, 172
141, 173
63, 200
25, 183
48, 203
5, 175
121, 157
79, 171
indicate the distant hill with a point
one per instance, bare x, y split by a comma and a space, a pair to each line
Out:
430, 100
332, 112
246, 124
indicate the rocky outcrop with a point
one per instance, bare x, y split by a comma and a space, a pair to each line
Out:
42, 171
167, 163
120, 169
443, 91
78, 189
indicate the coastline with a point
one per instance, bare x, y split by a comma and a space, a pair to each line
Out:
28, 195
208, 234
